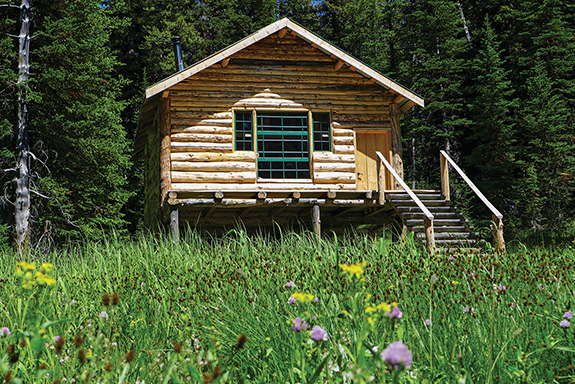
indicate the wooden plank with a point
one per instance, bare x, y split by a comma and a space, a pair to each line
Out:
333, 177
218, 157
331, 157
361, 161
216, 166
205, 129
213, 177
202, 138
201, 147
177, 186
396, 145
316, 220
371, 165
334, 167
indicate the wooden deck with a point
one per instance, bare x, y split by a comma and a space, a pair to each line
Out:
255, 210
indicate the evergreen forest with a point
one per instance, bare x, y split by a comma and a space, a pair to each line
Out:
497, 76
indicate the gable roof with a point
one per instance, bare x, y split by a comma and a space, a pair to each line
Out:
406, 98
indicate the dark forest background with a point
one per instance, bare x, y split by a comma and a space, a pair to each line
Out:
497, 76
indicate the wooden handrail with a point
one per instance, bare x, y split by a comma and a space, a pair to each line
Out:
496, 215
428, 219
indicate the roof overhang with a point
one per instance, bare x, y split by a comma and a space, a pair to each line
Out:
406, 98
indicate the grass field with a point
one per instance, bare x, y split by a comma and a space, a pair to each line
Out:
223, 310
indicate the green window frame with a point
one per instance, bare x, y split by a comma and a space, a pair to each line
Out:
283, 145
244, 130
321, 131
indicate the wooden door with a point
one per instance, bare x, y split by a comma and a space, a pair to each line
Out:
367, 143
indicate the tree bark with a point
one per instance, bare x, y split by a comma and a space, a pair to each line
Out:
22, 199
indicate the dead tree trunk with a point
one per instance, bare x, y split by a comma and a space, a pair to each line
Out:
22, 209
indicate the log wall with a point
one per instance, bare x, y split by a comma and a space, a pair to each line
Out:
297, 77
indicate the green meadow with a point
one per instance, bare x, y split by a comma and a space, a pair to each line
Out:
293, 309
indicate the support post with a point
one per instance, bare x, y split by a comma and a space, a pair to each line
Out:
444, 177
429, 235
498, 234
396, 146
316, 220
381, 182
175, 223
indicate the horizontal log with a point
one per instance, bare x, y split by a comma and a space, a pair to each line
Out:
334, 177
217, 157
177, 186
331, 157
202, 147
342, 149
202, 129
343, 132
202, 138
338, 92
213, 177
334, 167
343, 140
213, 166
267, 202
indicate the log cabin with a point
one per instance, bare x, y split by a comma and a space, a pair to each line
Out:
280, 128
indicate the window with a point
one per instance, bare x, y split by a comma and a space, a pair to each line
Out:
321, 125
283, 142
244, 131
283, 145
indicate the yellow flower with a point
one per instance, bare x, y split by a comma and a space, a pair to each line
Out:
302, 297
369, 309
353, 269
26, 266
454, 282
27, 284
371, 321
46, 267
384, 307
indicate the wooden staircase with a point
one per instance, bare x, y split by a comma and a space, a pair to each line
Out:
451, 230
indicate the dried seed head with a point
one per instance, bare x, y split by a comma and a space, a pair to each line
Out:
57, 381
217, 371
208, 378
177, 347
42, 366
108, 367
82, 356
14, 358
8, 377
130, 356
106, 300
23, 343
78, 340
115, 299
242, 338
10, 349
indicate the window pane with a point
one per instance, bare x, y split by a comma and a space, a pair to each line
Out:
321, 131
244, 130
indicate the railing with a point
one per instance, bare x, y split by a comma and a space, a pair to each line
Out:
444, 159
427, 216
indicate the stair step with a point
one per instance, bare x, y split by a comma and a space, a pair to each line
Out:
446, 229
449, 235
436, 222
405, 196
428, 203
415, 208
436, 215
458, 250
453, 242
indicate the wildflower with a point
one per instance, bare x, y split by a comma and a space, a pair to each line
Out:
103, 315
301, 297
454, 282
564, 324
179, 289
397, 356
142, 285
318, 333
316, 300
299, 324
568, 315
451, 258
500, 288
370, 309
354, 269
242, 339
4, 332
395, 313
73, 302
427, 322
468, 309
384, 307
292, 300
46, 267
290, 284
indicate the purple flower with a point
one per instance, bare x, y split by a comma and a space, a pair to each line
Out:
142, 285
180, 289
468, 309
290, 284
397, 355
299, 324
316, 300
103, 315
318, 333
502, 288
568, 315
427, 322
395, 313
57, 338
451, 258
564, 324
5, 331
292, 300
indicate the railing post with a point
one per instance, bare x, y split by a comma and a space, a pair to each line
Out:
381, 182
429, 235
498, 234
444, 176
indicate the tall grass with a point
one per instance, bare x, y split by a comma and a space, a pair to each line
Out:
473, 318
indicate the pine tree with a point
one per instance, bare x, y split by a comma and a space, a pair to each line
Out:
76, 129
